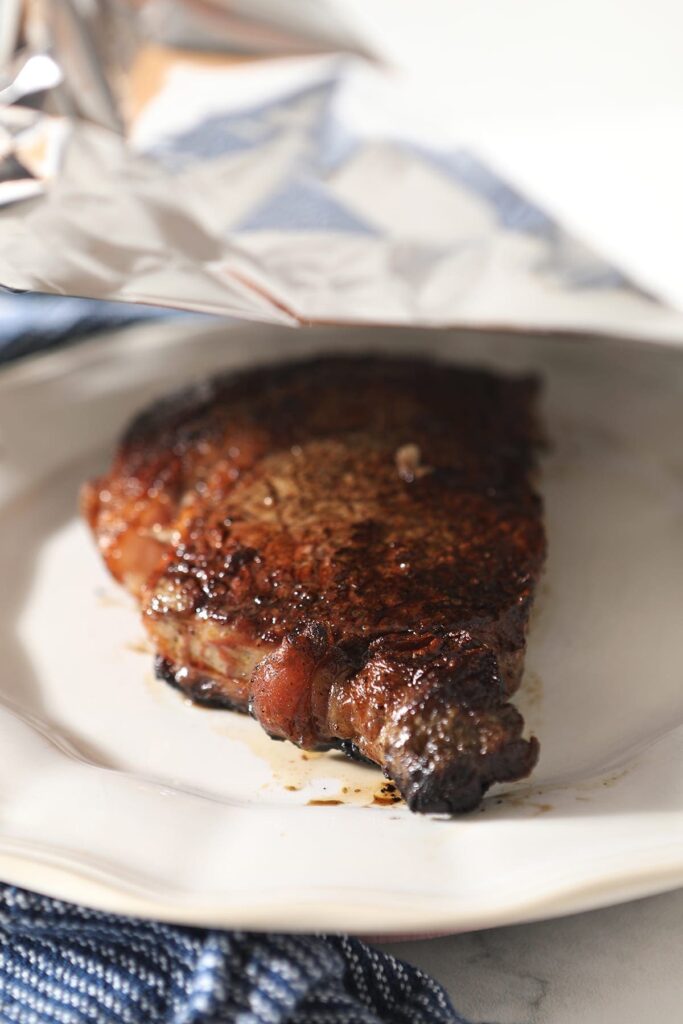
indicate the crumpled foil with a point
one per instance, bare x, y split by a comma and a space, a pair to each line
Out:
142, 161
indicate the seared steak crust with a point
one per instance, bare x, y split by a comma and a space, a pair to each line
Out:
348, 548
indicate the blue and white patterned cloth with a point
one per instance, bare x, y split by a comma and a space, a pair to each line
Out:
68, 965
30, 323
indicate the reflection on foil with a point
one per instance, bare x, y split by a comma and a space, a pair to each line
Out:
35, 74
289, 190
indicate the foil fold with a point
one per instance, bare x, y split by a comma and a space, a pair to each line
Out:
143, 159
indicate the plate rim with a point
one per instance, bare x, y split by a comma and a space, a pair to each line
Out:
322, 907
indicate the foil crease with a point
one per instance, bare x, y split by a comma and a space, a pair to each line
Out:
143, 159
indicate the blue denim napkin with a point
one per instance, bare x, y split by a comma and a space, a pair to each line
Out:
69, 965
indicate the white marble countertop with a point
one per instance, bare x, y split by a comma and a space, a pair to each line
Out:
621, 965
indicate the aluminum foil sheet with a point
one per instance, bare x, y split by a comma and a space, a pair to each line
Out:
144, 159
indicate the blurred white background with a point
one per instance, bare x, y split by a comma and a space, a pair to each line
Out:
580, 103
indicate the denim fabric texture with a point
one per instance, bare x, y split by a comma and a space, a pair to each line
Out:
70, 965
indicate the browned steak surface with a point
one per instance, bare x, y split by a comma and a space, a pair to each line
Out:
349, 548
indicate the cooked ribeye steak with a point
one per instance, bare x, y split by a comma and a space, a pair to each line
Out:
347, 548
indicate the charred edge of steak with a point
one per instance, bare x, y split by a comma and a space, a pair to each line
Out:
445, 753
459, 785
201, 690
354, 753
210, 693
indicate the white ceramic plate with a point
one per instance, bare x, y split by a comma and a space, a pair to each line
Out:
115, 792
